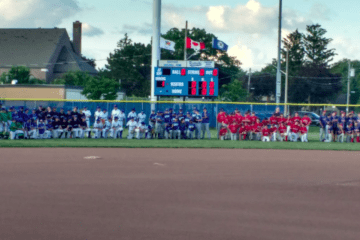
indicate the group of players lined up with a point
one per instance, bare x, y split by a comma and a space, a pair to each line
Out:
45, 123
343, 128
235, 126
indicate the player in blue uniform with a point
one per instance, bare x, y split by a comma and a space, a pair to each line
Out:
205, 124
334, 121
175, 127
159, 125
191, 129
323, 126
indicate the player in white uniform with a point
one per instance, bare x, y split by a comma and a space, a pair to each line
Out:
115, 112
106, 128
97, 128
141, 117
97, 113
87, 114
104, 114
132, 114
141, 130
116, 128
132, 125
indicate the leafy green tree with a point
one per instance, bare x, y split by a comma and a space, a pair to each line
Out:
20, 73
130, 63
101, 88
316, 46
294, 43
234, 91
74, 78
342, 67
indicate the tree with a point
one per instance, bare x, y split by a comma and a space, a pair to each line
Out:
74, 78
234, 91
295, 45
316, 46
130, 63
342, 67
314, 85
20, 73
101, 88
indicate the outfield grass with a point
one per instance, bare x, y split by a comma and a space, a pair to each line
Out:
313, 144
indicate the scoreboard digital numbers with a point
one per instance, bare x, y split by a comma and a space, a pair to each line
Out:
183, 81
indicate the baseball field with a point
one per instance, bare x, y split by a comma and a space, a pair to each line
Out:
162, 194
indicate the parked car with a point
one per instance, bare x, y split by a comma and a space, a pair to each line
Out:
315, 119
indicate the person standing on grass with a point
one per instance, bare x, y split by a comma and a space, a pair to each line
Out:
220, 118
198, 121
205, 124
233, 128
323, 126
87, 114
306, 121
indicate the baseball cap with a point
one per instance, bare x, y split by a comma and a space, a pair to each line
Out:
133, 109
85, 106
115, 105
109, 118
204, 108
104, 109
152, 110
142, 123
116, 118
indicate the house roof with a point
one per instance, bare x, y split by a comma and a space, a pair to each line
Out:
34, 48
29, 47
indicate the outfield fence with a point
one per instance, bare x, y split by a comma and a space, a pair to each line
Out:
262, 110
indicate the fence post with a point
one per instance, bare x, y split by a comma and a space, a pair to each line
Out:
251, 107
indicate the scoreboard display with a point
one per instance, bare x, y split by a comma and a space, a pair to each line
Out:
193, 82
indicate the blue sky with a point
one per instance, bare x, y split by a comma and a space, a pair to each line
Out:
249, 27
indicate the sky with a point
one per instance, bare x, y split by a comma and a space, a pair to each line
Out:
249, 27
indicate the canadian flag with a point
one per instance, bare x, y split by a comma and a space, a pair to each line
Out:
194, 45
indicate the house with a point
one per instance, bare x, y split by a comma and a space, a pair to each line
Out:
48, 52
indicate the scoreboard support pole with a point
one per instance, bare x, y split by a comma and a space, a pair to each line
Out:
155, 53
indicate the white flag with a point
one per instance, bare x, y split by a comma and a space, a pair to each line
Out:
167, 44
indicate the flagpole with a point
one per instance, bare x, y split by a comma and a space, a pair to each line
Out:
186, 25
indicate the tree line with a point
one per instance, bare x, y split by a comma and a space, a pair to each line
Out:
313, 78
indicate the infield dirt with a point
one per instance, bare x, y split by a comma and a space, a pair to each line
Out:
166, 194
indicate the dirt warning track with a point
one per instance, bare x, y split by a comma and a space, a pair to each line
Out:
193, 194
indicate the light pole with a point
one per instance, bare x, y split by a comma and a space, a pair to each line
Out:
278, 73
351, 73
155, 53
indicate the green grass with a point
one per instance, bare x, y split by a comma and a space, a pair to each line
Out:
314, 143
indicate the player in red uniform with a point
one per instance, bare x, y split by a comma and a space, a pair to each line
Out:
303, 131
295, 128
273, 130
247, 117
265, 121
222, 132
296, 117
281, 119
257, 129
253, 118
249, 131
289, 122
242, 132
265, 133
220, 118
273, 120
238, 116
282, 131
306, 121
233, 128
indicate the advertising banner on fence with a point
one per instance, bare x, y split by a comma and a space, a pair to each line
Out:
201, 64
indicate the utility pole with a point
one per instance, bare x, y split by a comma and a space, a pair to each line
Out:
286, 83
155, 53
186, 26
278, 73
249, 84
351, 73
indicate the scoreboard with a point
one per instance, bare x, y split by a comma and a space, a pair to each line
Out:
183, 81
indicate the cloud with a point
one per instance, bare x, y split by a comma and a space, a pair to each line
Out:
144, 29
320, 11
345, 48
91, 31
252, 18
36, 13
243, 54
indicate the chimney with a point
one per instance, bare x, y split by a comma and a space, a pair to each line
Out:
77, 37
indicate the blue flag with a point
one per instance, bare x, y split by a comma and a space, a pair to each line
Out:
219, 45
